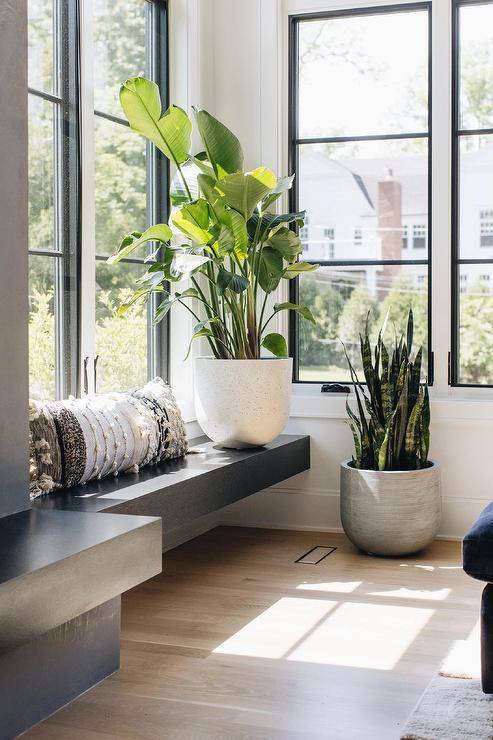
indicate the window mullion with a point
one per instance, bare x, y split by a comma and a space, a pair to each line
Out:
440, 196
88, 239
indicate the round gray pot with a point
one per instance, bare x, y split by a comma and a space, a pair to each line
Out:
390, 512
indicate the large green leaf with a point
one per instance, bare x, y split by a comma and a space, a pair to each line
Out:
170, 132
184, 263
237, 225
297, 268
302, 310
178, 193
270, 269
193, 221
165, 305
287, 243
221, 145
243, 190
276, 344
283, 184
233, 281
158, 233
137, 295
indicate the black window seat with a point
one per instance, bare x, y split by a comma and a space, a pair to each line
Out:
179, 491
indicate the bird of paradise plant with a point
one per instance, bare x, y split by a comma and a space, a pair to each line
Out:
237, 250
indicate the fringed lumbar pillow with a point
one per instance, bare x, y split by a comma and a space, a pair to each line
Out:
74, 441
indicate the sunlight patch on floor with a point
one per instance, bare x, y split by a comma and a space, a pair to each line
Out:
439, 594
278, 629
319, 631
338, 587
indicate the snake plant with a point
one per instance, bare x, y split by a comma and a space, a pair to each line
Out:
391, 429
233, 248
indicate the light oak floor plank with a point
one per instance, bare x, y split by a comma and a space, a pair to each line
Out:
236, 640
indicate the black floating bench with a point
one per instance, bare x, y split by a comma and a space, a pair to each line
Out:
65, 563
182, 490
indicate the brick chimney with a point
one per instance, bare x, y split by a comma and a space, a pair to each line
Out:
389, 225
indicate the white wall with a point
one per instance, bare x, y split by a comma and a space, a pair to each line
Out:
247, 92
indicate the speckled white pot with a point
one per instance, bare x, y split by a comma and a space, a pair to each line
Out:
242, 403
390, 512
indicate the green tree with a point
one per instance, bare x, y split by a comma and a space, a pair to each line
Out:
475, 335
319, 345
402, 296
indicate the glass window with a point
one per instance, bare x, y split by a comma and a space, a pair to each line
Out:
472, 348
129, 38
365, 176
53, 222
125, 192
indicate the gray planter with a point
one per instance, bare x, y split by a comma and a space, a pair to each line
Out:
390, 512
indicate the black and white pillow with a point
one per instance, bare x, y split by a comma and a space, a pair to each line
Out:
74, 441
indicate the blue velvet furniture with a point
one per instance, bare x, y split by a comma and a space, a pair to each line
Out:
477, 555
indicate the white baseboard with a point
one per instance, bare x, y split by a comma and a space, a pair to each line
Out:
318, 510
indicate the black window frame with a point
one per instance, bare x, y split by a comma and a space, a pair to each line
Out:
67, 182
294, 142
157, 183
457, 133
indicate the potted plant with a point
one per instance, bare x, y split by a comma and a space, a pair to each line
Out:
236, 253
390, 490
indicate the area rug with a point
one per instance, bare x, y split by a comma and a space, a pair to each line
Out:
453, 707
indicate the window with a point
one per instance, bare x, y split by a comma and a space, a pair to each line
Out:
329, 237
125, 172
125, 189
472, 177
486, 228
371, 170
53, 195
419, 236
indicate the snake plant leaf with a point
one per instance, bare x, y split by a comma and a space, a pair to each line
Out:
298, 268
170, 131
270, 269
193, 221
410, 332
233, 281
221, 145
287, 243
276, 344
302, 310
158, 233
357, 447
244, 190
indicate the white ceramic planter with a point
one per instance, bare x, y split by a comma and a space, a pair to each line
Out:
390, 512
242, 403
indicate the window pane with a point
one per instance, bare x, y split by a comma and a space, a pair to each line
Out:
476, 322
120, 183
42, 363
364, 74
119, 48
121, 343
476, 63
40, 30
476, 197
341, 298
365, 200
41, 174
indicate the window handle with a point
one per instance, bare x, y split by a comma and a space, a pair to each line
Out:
86, 381
96, 373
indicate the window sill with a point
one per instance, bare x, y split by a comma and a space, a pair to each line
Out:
456, 405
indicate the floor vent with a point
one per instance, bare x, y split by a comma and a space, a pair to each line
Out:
316, 555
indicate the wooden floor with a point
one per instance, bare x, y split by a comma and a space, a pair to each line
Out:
235, 640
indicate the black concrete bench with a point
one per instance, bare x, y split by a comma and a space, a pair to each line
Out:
65, 563
182, 490
62, 574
